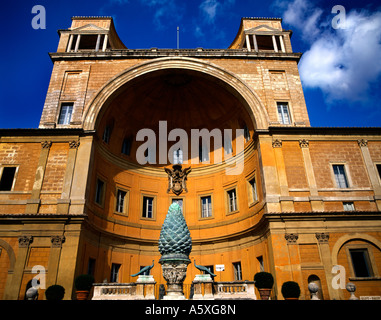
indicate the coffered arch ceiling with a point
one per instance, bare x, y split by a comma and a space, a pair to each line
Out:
175, 88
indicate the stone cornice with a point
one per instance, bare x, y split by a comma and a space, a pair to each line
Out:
160, 53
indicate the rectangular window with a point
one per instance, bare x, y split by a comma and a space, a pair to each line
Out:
253, 196
232, 200
180, 202
7, 178
261, 264
66, 113
349, 206
147, 207
203, 153
121, 201
99, 192
146, 273
91, 266
237, 271
206, 207
114, 276
340, 176
283, 113
361, 263
126, 146
246, 133
228, 147
178, 156
107, 134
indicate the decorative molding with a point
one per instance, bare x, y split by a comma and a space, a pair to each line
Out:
57, 241
322, 237
291, 238
46, 144
74, 144
25, 241
304, 143
277, 143
362, 143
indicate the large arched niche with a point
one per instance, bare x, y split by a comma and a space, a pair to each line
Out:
226, 79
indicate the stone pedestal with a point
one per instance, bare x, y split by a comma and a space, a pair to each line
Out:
174, 268
206, 281
146, 283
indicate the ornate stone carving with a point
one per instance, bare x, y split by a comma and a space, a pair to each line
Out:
174, 273
25, 241
362, 142
46, 144
291, 238
74, 144
277, 143
177, 179
57, 241
304, 143
322, 237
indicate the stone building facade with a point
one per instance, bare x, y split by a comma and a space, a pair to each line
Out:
75, 199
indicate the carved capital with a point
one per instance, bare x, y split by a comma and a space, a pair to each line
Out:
25, 241
174, 273
74, 144
46, 144
362, 142
291, 238
277, 143
322, 237
304, 143
57, 241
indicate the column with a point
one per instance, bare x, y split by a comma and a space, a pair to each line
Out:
282, 44
34, 202
248, 42
274, 44
64, 202
70, 43
105, 43
371, 170
98, 43
77, 43
316, 201
255, 43
18, 271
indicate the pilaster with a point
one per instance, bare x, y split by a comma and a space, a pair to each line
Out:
316, 202
33, 203
371, 170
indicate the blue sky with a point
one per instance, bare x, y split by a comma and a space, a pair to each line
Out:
340, 68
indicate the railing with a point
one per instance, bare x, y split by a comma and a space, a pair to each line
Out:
234, 290
138, 291
114, 291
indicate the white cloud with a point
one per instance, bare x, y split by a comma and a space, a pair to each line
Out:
343, 63
209, 9
165, 10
